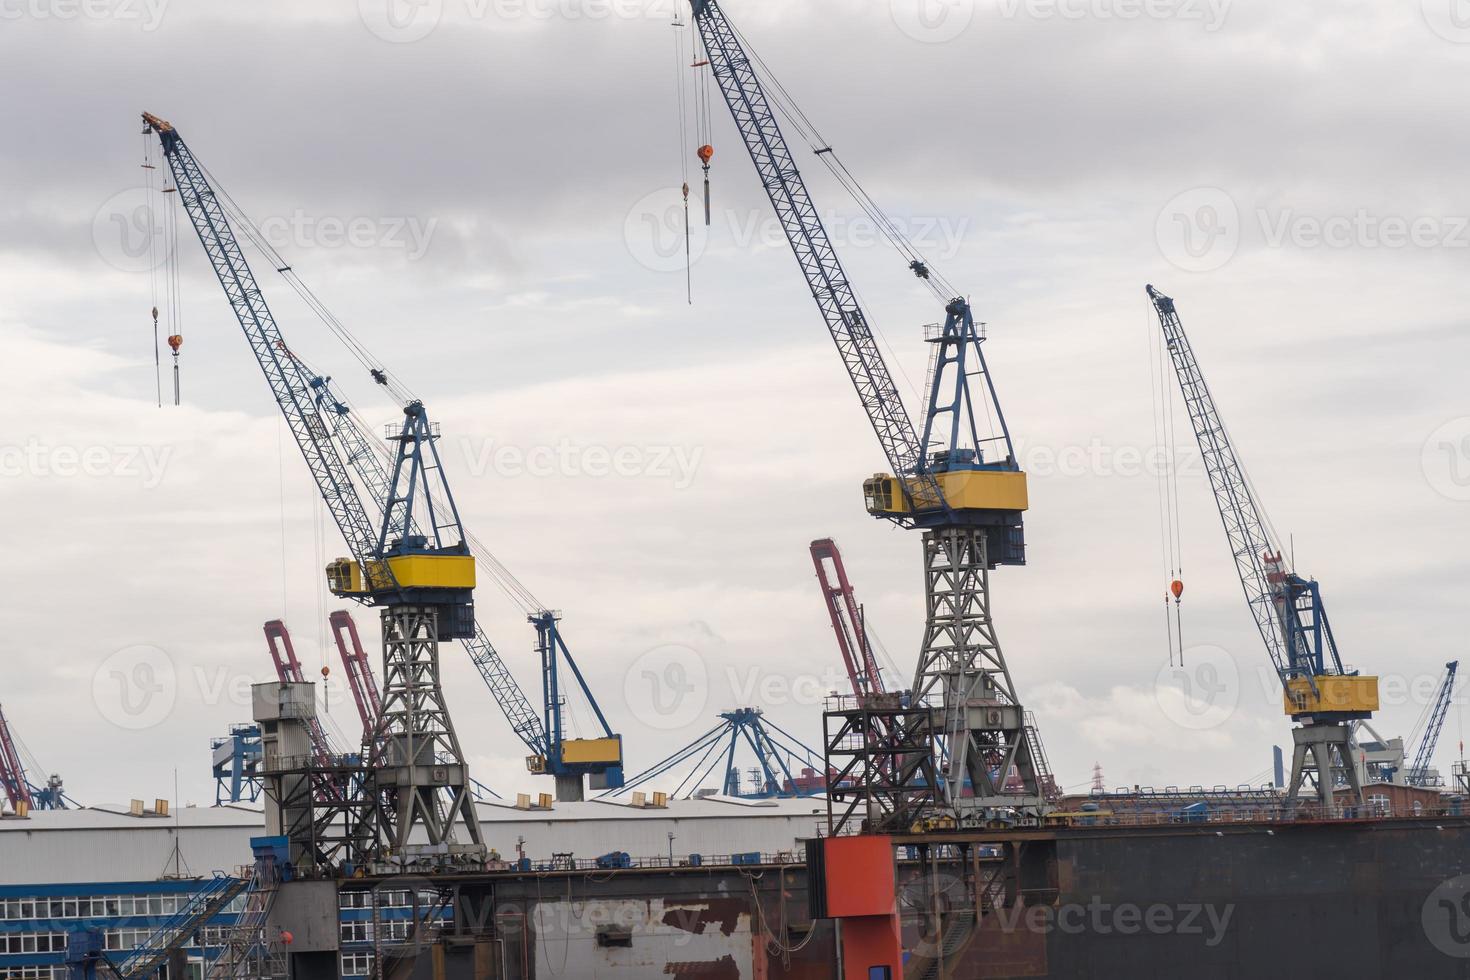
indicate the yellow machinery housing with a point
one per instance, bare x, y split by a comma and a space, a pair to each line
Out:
344, 576
1335, 694
1000, 490
595, 752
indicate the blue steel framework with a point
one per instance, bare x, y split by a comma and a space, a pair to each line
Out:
1288, 609
962, 678
237, 759
1418, 774
909, 453
785, 766
330, 438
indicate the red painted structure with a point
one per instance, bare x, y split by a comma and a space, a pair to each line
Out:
847, 619
288, 670
862, 893
359, 672
12, 772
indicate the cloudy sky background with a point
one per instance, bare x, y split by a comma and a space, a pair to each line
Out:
1292, 174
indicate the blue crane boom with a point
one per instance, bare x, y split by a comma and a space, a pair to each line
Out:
314, 415
1287, 608
1319, 695
339, 450
1419, 771
963, 489
932, 487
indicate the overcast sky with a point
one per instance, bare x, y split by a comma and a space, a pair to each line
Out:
482, 193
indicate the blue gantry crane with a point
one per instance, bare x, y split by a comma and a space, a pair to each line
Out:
360, 485
1322, 697
1420, 770
954, 477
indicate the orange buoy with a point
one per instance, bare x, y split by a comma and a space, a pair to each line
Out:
287, 938
705, 153
1177, 588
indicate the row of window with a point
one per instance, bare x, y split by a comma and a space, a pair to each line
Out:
357, 964
33, 942
400, 899
361, 931
97, 907
32, 973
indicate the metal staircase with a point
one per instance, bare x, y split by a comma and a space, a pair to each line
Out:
180, 930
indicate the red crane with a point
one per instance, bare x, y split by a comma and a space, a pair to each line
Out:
288, 669
847, 619
12, 772
359, 672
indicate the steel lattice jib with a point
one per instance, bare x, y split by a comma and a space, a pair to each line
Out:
1354, 695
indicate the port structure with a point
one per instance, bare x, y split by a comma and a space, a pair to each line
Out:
354, 475
849, 625
15, 781
414, 565
1421, 772
963, 489
784, 767
1321, 696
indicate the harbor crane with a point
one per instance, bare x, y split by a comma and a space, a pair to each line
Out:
15, 781
848, 622
962, 487
1322, 697
386, 528
413, 563
1420, 772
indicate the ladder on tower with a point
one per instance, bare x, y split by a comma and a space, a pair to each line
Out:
1044, 777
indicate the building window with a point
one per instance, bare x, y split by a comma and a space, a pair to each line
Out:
357, 964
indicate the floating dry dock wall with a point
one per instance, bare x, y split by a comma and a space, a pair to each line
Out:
1339, 900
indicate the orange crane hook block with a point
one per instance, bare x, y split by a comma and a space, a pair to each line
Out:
175, 341
705, 154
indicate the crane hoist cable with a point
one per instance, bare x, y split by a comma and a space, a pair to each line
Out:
398, 392
789, 109
1167, 486
150, 203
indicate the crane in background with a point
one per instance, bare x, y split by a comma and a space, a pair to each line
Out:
356, 480
1420, 771
958, 483
848, 622
1322, 697
23, 795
